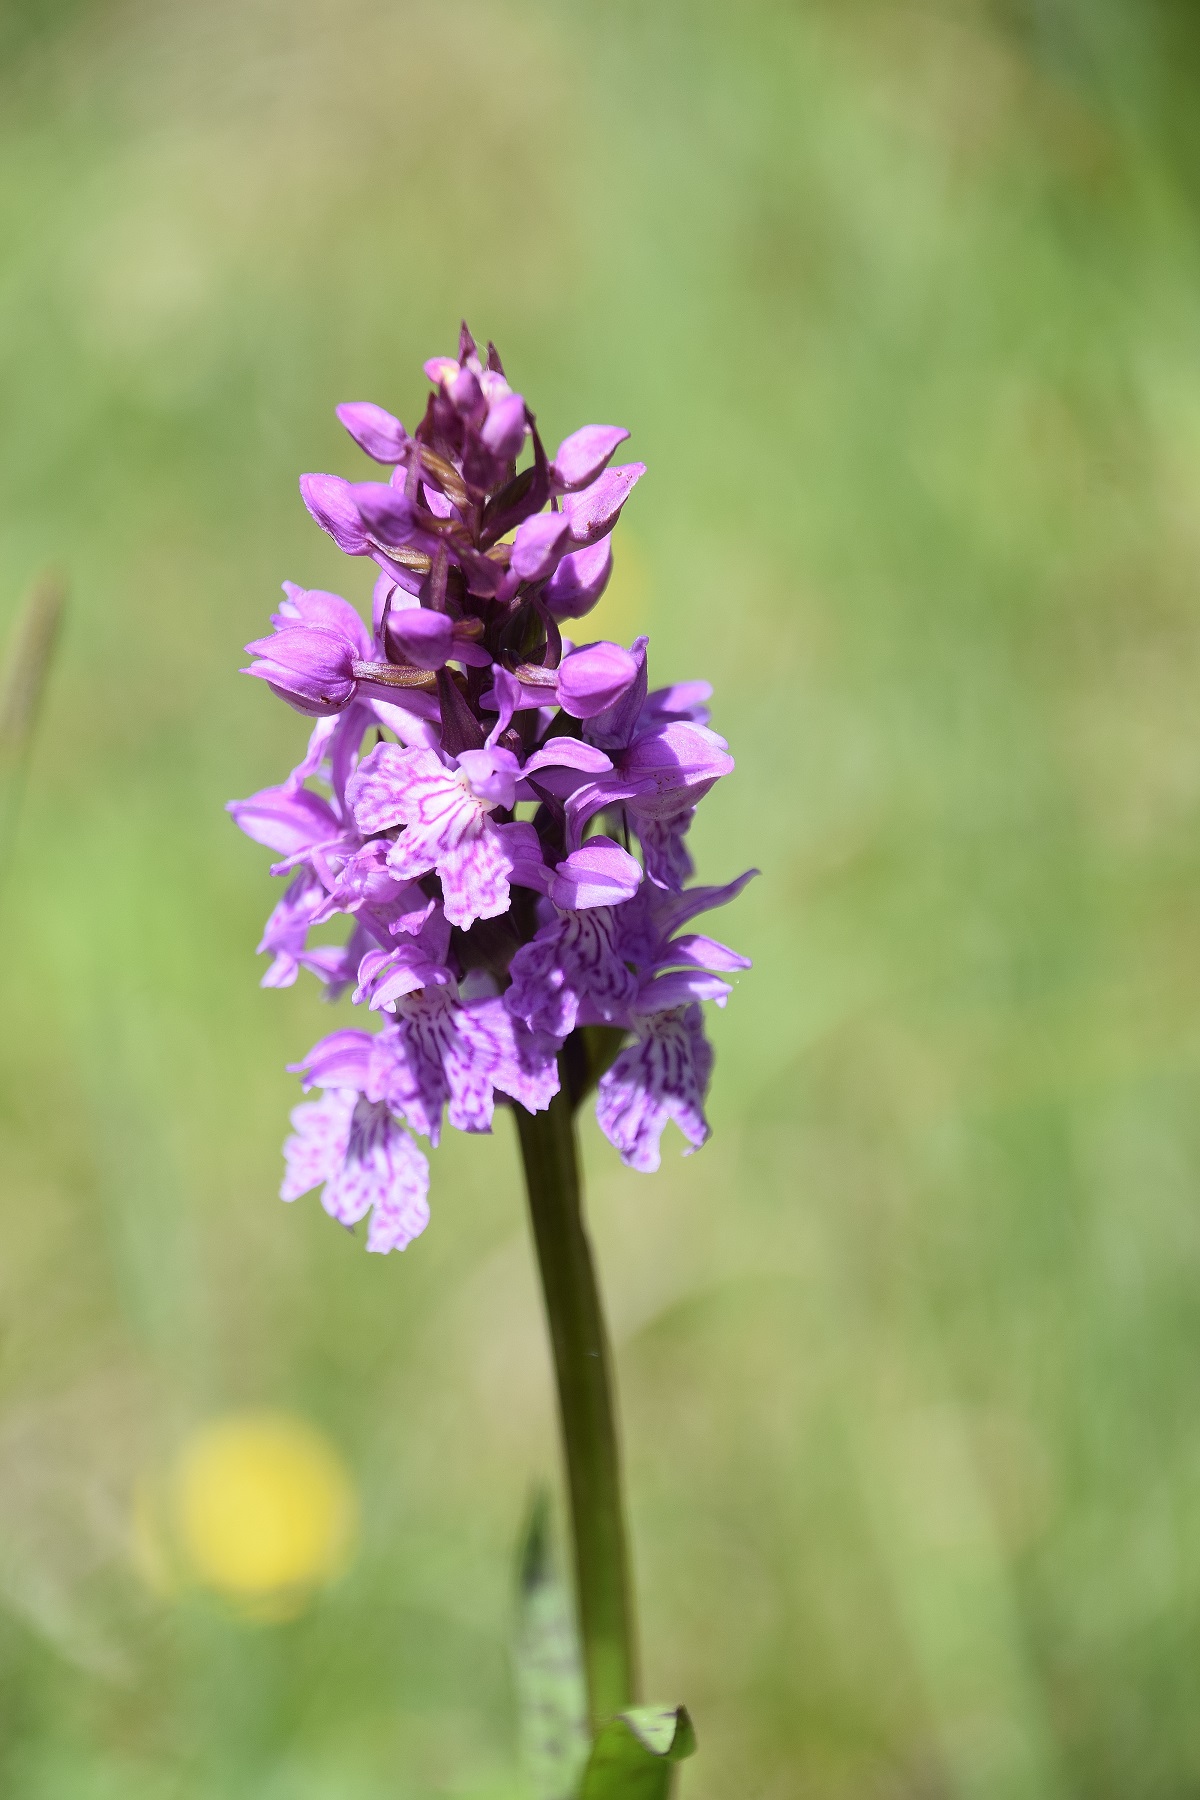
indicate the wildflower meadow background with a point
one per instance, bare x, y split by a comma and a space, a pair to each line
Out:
901, 304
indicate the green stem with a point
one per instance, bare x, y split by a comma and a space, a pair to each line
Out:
587, 1413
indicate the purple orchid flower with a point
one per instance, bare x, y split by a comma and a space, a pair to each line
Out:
321, 656
664, 1074
583, 457
291, 820
460, 761
592, 513
435, 1051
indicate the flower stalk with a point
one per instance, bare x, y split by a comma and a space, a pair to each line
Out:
586, 1404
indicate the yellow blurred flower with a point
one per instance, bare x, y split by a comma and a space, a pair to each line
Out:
257, 1507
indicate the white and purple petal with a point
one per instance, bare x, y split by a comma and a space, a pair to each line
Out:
474, 875
384, 1173
573, 961
664, 845
401, 1213
315, 1151
663, 1076
285, 935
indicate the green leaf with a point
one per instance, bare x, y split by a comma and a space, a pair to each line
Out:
551, 1697
633, 1755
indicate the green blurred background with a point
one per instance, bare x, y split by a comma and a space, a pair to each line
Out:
901, 303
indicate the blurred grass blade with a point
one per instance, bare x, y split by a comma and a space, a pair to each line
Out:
25, 676
634, 1754
551, 1699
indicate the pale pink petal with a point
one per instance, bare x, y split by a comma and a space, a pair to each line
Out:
321, 1131
403, 1211
382, 1168
474, 876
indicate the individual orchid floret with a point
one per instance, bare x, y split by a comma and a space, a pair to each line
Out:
445, 803
328, 500
366, 1162
503, 430
357, 881
663, 1075
459, 1053
661, 776
439, 1050
600, 874
429, 640
311, 658
412, 956
292, 821
617, 963
573, 963
539, 545
684, 700
393, 520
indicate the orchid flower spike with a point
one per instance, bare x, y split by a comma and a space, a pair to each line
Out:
500, 816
